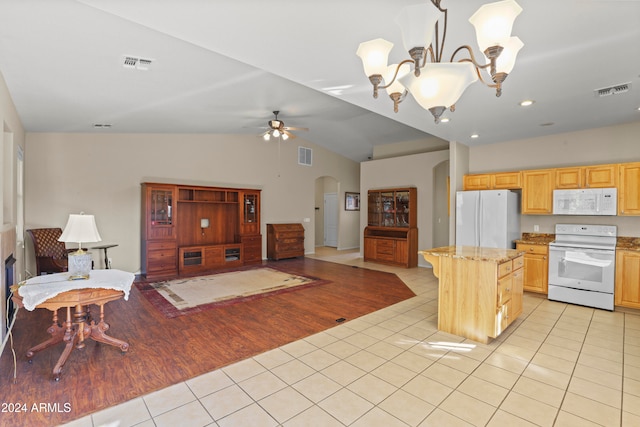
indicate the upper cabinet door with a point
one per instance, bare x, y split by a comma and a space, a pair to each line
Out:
602, 176
569, 178
629, 189
537, 191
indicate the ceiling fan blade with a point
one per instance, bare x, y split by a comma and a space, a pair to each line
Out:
294, 128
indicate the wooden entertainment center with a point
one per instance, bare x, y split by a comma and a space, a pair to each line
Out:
190, 229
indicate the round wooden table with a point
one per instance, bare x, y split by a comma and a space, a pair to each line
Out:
78, 325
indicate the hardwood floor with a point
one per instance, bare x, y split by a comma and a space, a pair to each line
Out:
166, 351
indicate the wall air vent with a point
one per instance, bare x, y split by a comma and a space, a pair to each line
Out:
613, 90
136, 63
304, 156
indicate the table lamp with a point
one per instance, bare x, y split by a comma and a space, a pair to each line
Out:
80, 229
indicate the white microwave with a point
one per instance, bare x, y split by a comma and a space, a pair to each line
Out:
587, 201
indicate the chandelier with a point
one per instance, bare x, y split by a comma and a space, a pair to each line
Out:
434, 84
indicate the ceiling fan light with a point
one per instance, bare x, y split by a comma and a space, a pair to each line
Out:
276, 133
266, 136
374, 55
285, 136
417, 23
494, 21
440, 84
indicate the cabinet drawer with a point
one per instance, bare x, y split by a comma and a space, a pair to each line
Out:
533, 249
518, 263
505, 268
289, 235
162, 254
504, 290
154, 246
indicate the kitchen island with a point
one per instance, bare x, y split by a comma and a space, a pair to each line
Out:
480, 289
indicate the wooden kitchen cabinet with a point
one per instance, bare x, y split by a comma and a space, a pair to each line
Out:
493, 181
476, 182
536, 267
480, 290
537, 191
569, 178
627, 285
629, 189
601, 176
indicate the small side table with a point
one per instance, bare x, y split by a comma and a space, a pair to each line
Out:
106, 257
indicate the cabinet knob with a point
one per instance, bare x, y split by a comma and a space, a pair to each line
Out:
544, 257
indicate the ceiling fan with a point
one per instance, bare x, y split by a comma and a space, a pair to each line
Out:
277, 129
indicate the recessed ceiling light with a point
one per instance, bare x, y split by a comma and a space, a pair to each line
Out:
547, 124
475, 135
527, 102
444, 120
101, 125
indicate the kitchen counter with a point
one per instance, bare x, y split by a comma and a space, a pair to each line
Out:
479, 291
536, 238
628, 244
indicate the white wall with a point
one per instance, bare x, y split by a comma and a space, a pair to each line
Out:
415, 170
11, 137
100, 174
614, 144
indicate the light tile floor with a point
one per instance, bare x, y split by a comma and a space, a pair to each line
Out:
557, 365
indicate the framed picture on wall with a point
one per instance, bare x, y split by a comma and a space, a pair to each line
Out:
351, 201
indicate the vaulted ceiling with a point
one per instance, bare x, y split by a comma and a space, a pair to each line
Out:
223, 66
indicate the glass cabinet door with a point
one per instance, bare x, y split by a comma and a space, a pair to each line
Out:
402, 209
388, 209
161, 207
374, 209
250, 208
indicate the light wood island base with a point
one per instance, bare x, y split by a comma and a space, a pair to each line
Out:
480, 289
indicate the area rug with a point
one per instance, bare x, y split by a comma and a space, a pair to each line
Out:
190, 295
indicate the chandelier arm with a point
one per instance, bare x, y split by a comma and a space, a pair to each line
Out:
472, 58
396, 73
439, 50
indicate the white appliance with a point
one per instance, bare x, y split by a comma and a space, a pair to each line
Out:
586, 201
488, 218
582, 265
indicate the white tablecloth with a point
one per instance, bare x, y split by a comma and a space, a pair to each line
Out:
40, 288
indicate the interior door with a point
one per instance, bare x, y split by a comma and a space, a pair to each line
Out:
331, 219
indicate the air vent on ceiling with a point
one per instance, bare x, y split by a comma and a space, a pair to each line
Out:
304, 156
136, 62
613, 90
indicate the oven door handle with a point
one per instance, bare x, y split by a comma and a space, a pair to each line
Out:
585, 250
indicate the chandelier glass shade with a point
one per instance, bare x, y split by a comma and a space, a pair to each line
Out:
436, 84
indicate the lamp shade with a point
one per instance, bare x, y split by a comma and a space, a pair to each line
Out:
440, 84
507, 59
374, 55
80, 228
494, 21
417, 23
396, 86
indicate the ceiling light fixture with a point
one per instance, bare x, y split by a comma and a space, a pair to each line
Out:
434, 84
526, 103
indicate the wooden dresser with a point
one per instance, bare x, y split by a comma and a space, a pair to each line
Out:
285, 241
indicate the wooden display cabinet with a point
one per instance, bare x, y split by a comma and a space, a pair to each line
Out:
159, 257
189, 229
391, 235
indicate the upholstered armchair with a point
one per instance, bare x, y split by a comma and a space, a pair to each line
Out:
51, 255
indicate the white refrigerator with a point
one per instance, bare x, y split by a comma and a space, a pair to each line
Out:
488, 218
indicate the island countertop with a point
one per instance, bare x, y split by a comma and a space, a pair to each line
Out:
473, 253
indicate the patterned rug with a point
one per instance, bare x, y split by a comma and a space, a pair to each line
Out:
190, 295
